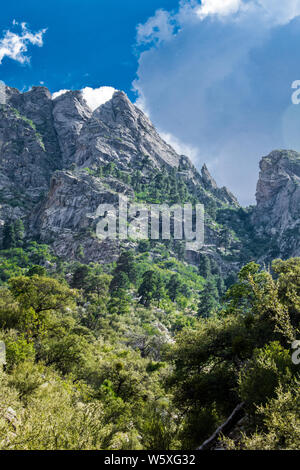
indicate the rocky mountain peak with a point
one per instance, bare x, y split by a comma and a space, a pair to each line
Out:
35, 104
119, 132
57, 153
120, 111
73, 103
70, 112
207, 179
278, 169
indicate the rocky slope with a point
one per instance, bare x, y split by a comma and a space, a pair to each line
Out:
29, 151
59, 160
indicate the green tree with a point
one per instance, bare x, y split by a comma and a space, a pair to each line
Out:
125, 272
151, 288
119, 302
80, 277
204, 267
262, 375
208, 299
280, 417
119, 281
19, 232
174, 287
36, 270
226, 237
127, 264
37, 299
220, 286
98, 284
9, 236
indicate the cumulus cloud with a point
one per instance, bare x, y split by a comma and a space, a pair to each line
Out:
280, 12
59, 93
94, 97
158, 28
218, 77
218, 7
15, 46
274, 11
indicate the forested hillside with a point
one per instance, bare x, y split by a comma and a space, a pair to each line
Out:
140, 344
134, 355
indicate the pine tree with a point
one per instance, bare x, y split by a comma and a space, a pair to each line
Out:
204, 267
80, 277
126, 264
208, 299
119, 302
221, 286
151, 288
9, 236
173, 287
19, 232
119, 281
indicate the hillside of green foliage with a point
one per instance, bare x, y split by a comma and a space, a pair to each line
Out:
146, 353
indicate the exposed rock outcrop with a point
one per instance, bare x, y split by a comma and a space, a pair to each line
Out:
52, 152
70, 112
67, 217
277, 214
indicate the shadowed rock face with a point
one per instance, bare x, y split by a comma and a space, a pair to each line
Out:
29, 153
37, 106
277, 214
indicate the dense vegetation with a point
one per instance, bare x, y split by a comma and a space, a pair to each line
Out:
146, 353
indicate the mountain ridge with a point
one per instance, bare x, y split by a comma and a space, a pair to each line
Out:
59, 160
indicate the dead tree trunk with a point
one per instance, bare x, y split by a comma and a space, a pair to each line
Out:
225, 428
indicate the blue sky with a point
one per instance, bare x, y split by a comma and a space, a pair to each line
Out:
87, 43
215, 77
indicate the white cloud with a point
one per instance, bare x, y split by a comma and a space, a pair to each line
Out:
218, 7
280, 11
15, 45
159, 27
163, 25
94, 97
273, 11
59, 93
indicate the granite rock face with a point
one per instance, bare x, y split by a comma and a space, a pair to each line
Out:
52, 152
36, 105
67, 217
29, 152
277, 214
70, 112
115, 132
51, 148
